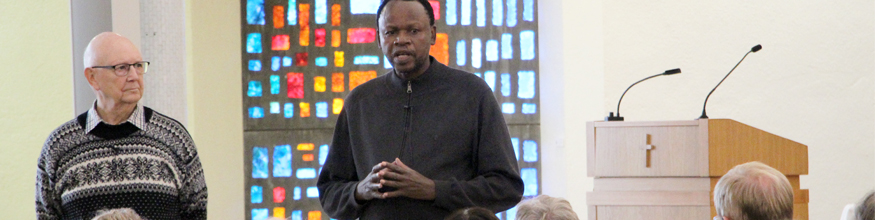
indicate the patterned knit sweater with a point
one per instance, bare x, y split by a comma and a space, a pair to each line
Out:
154, 170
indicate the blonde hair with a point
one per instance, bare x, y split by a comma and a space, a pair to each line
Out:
117, 214
544, 207
754, 191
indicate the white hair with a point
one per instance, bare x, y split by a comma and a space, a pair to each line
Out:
117, 214
753, 191
546, 208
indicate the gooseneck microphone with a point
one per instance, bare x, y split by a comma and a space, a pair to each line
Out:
611, 116
754, 49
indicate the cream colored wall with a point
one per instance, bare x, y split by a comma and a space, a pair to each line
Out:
215, 99
35, 55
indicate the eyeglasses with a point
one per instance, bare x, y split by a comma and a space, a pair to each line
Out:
123, 69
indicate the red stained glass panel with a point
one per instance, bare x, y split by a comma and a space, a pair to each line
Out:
361, 35
279, 194
320, 37
280, 42
301, 59
295, 84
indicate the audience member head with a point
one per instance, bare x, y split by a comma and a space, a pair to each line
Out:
866, 208
117, 214
546, 208
472, 213
753, 191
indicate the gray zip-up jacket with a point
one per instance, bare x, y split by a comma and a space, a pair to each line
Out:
445, 124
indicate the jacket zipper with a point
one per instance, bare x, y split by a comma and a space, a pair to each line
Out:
408, 112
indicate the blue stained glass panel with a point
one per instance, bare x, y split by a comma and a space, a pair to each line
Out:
255, 12
498, 215
386, 63
321, 61
259, 214
497, 13
476, 52
256, 194
511, 13
322, 109
481, 13
508, 108
451, 12
297, 215
529, 10
489, 77
293, 12
460, 53
323, 154
287, 61
254, 65
289, 110
516, 147
312, 192
527, 45
306, 173
466, 12
530, 108
530, 180
274, 107
254, 89
506, 46
364, 6
296, 194
259, 162
253, 43
530, 151
511, 213
275, 63
256, 112
275, 85
321, 12
366, 60
478, 75
492, 50
282, 161
526, 84
505, 84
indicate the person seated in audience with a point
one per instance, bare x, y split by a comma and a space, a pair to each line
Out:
472, 213
866, 208
753, 191
546, 208
117, 214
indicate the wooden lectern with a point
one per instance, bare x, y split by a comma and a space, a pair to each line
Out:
667, 170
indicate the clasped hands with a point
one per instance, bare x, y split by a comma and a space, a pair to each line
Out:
406, 181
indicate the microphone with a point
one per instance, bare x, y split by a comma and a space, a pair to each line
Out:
620, 118
754, 49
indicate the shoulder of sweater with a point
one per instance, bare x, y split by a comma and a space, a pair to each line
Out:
162, 120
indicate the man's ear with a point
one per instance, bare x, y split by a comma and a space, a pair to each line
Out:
433, 34
90, 76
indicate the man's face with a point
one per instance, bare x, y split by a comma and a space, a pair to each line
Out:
111, 88
406, 36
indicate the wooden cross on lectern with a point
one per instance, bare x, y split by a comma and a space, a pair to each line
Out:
647, 147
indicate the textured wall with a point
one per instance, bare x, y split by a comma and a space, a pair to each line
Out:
35, 53
162, 42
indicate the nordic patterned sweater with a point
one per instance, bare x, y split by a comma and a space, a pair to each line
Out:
152, 168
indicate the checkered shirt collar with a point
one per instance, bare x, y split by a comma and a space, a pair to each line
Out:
137, 118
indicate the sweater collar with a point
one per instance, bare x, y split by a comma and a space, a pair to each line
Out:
433, 72
137, 118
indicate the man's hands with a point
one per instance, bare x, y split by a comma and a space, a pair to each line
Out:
408, 183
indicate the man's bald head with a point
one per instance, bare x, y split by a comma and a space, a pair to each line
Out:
107, 44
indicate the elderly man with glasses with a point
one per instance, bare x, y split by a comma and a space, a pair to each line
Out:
119, 154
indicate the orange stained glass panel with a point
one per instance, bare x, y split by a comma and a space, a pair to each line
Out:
338, 106
307, 157
441, 48
304, 22
278, 20
314, 215
358, 77
319, 83
306, 146
305, 110
338, 58
337, 82
279, 212
335, 15
335, 38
